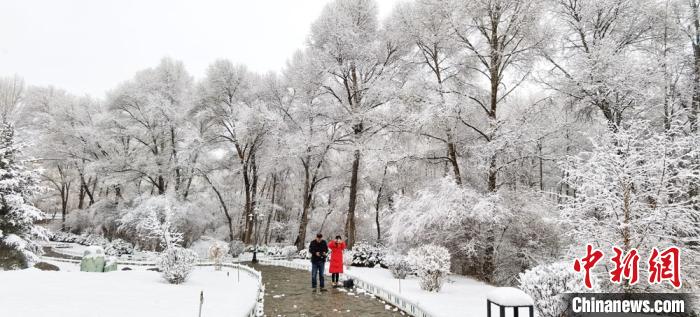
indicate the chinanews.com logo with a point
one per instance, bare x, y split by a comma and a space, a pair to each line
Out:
662, 266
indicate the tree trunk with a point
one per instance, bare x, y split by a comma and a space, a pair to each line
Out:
229, 220
695, 104
376, 206
352, 201
81, 197
452, 155
272, 209
300, 241
161, 185
251, 193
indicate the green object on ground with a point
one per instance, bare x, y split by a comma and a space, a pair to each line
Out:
110, 265
93, 260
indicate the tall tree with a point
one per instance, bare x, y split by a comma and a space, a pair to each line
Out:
425, 26
239, 118
18, 182
501, 35
309, 127
151, 113
359, 66
11, 94
595, 63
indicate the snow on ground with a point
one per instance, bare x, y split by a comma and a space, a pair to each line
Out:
70, 293
459, 293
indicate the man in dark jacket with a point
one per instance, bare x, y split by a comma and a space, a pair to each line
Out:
318, 249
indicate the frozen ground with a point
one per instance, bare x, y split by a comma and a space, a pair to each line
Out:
136, 293
459, 294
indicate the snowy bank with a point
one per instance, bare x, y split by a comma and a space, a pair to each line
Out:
459, 294
35, 293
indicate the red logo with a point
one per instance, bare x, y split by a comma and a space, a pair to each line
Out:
589, 261
668, 269
627, 267
663, 266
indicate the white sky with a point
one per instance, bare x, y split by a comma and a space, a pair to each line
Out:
90, 46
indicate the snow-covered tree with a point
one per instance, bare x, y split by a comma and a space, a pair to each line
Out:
501, 38
18, 183
236, 116
463, 219
597, 56
359, 74
631, 191
151, 128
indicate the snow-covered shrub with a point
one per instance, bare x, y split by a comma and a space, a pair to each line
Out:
176, 263
152, 220
289, 251
217, 252
118, 247
102, 218
398, 265
304, 254
548, 283
236, 247
432, 264
368, 255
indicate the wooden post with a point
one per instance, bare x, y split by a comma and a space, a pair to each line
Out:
532, 311
502, 312
515, 311
201, 302
488, 308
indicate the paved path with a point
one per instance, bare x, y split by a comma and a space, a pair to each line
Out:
288, 293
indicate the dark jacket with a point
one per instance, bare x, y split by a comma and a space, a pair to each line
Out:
321, 248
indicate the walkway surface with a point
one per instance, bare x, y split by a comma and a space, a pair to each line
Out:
288, 293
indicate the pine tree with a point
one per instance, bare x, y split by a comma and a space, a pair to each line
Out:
17, 216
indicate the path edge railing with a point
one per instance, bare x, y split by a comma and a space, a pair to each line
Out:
406, 305
256, 308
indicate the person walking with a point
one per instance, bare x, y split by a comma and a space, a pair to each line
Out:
318, 249
336, 246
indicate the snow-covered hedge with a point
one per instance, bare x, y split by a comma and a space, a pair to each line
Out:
176, 263
368, 255
115, 247
398, 265
83, 239
118, 247
547, 283
432, 264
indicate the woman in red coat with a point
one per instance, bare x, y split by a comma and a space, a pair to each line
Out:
336, 246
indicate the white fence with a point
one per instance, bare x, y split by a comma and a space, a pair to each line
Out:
390, 297
256, 308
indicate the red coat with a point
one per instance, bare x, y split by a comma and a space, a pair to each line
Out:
336, 256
